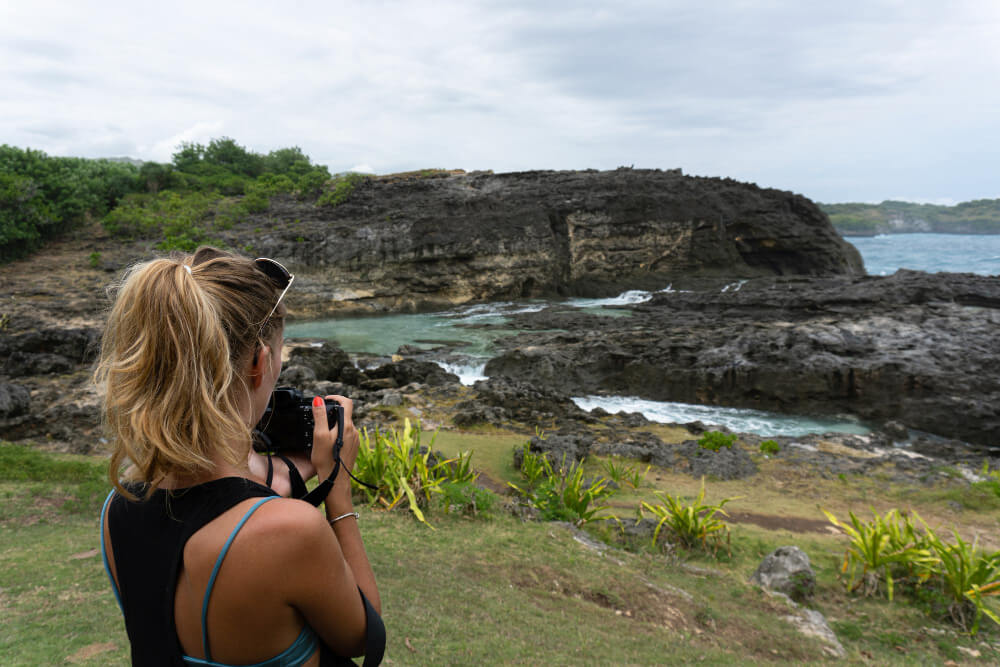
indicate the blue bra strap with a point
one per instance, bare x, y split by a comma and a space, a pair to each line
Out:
215, 572
104, 551
297, 654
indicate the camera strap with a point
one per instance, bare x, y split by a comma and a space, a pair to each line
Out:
298, 485
322, 490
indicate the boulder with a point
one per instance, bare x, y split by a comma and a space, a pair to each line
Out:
524, 401
15, 400
324, 359
296, 376
725, 464
645, 447
786, 570
408, 370
557, 448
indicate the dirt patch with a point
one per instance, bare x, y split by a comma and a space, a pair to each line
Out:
793, 524
486, 482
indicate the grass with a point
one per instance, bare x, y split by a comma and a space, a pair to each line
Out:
500, 590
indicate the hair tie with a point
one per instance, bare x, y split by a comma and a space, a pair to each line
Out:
188, 269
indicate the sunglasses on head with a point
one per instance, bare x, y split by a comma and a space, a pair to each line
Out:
278, 275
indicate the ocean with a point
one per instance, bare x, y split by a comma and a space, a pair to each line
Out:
882, 255
956, 253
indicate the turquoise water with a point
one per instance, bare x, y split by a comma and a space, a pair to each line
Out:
961, 253
384, 335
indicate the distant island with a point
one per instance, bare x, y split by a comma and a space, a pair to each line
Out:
981, 216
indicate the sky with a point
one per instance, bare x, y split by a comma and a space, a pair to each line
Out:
840, 101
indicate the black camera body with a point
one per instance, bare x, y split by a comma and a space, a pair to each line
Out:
287, 423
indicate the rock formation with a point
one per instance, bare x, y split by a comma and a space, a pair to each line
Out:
424, 243
913, 347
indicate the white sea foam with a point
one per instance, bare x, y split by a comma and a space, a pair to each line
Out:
468, 374
623, 299
736, 419
734, 286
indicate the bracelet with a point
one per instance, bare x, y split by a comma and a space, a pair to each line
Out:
342, 516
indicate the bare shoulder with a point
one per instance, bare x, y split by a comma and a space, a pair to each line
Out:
286, 526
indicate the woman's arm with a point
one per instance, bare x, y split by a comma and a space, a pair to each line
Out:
338, 501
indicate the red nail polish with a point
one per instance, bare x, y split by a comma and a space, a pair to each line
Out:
317, 402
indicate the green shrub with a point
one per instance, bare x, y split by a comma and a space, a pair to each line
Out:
882, 549
41, 197
770, 447
183, 220
402, 470
992, 481
560, 493
716, 440
969, 577
693, 525
892, 547
343, 187
467, 498
311, 184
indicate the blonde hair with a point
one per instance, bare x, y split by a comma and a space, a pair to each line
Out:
178, 335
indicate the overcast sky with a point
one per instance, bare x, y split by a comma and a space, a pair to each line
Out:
841, 101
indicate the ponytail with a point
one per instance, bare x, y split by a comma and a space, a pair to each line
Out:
177, 338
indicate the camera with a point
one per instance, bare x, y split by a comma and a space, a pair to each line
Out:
287, 424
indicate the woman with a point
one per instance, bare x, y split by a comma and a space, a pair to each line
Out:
209, 566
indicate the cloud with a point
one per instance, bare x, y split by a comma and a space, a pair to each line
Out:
839, 101
201, 132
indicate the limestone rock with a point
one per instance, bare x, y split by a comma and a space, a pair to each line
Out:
407, 244
812, 623
786, 570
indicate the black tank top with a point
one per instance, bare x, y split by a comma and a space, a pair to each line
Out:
148, 538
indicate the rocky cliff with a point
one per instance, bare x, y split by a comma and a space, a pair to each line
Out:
431, 242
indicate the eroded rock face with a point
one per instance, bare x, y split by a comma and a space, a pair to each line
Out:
916, 348
422, 243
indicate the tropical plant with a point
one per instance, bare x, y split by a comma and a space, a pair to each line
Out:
561, 493
621, 472
401, 470
970, 578
883, 548
694, 525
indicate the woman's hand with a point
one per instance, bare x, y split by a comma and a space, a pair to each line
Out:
322, 451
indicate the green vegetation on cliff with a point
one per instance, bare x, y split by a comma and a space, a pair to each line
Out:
981, 216
181, 203
42, 197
